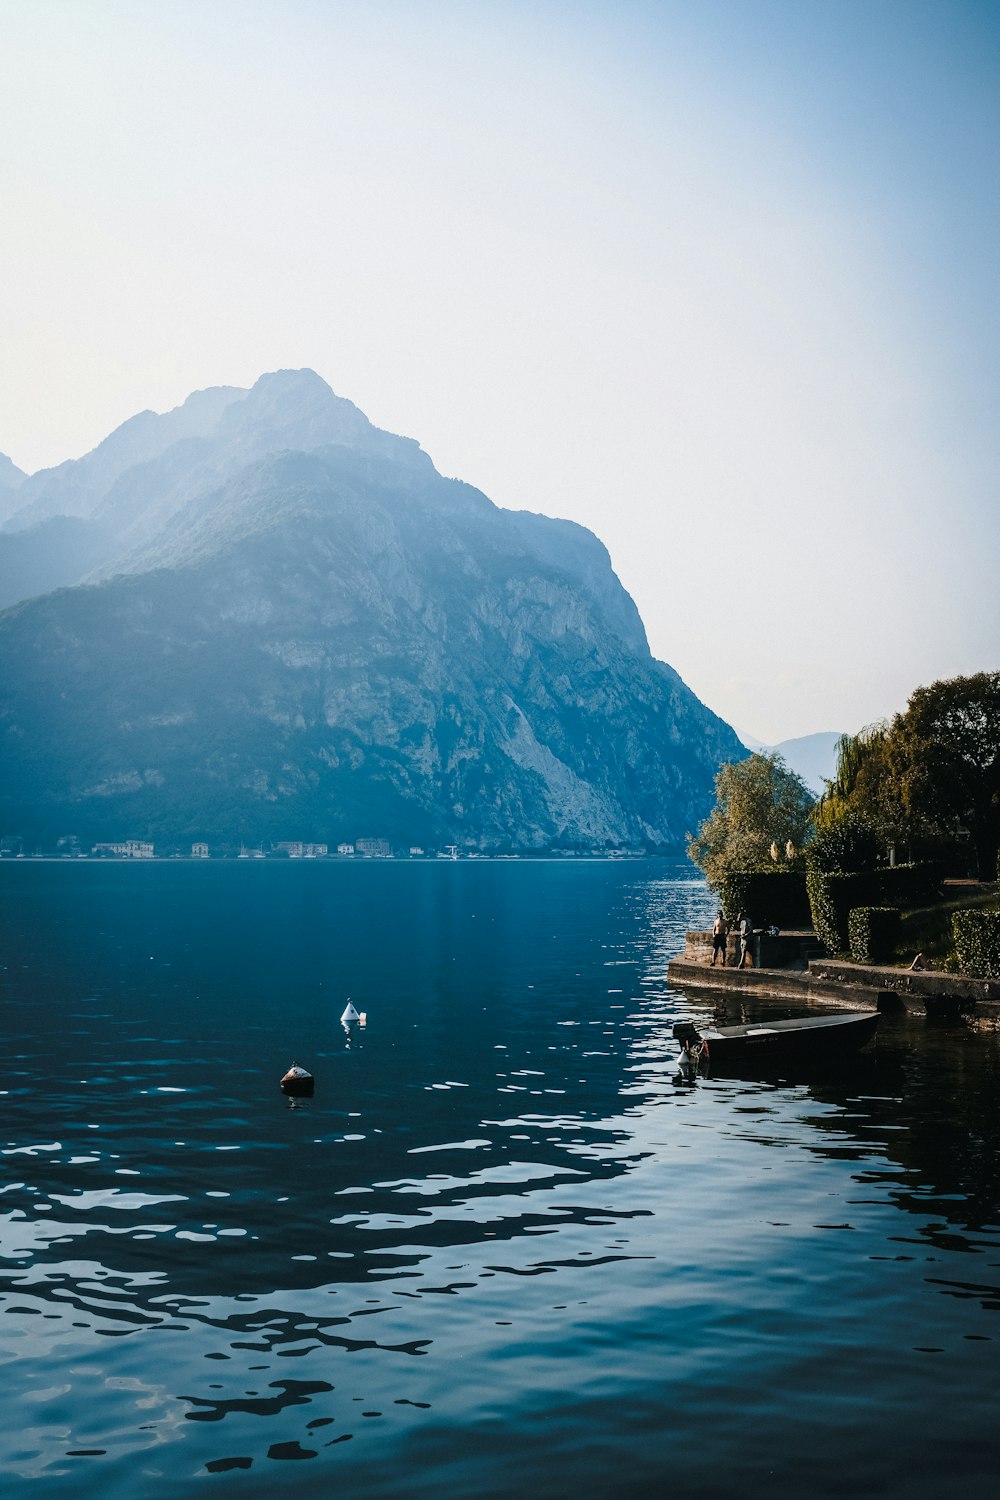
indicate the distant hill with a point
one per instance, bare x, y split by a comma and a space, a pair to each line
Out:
811, 756
294, 627
11, 479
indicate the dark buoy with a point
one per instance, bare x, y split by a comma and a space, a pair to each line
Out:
297, 1081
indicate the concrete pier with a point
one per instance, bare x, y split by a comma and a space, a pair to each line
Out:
789, 971
776, 984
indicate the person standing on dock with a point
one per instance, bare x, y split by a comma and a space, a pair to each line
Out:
720, 934
746, 939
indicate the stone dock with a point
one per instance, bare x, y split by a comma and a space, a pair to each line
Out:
789, 968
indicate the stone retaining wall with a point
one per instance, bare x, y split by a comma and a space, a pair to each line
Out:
777, 984
921, 984
789, 950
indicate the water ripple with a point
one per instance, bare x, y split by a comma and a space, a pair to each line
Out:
502, 1247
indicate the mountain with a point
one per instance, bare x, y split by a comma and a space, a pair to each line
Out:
11, 479
811, 756
77, 487
152, 466
298, 629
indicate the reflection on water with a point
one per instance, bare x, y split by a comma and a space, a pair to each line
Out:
502, 1245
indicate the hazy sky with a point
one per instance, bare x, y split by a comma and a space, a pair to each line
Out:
717, 279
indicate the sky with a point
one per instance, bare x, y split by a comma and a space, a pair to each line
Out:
717, 279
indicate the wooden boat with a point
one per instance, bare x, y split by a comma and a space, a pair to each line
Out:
813, 1037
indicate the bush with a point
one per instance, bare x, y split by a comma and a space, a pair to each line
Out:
873, 932
832, 897
977, 942
823, 909
849, 845
777, 896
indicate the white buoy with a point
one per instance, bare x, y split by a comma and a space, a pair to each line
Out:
350, 1014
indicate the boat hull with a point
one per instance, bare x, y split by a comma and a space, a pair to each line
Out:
813, 1037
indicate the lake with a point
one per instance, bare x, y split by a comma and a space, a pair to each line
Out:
503, 1248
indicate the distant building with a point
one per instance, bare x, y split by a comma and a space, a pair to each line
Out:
373, 848
415, 850
295, 849
199, 851
10, 843
68, 846
345, 848
130, 849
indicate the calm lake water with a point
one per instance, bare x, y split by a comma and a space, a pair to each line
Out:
503, 1249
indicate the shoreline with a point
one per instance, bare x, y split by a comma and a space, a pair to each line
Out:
848, 986
341, 859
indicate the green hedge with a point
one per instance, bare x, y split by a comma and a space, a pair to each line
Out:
910, 885
977, 942
823, 909
833, 897
777, 896
873, 932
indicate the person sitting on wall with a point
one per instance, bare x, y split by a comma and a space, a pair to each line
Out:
918, 963
720, 934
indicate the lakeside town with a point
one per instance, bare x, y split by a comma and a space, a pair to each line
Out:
70, 847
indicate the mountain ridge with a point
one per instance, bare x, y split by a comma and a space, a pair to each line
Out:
304, 640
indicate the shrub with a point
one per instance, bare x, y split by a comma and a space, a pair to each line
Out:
777, 896
846, 846
833, 896
910, 885
873, 932
977, 942
824, 912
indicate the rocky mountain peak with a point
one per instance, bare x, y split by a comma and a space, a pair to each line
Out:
298, 407
303, 630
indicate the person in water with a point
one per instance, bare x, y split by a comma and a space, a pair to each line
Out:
720, 933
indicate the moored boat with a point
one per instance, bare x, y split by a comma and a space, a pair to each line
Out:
813, 1037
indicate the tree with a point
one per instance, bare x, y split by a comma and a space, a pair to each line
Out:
860, 781
759, 802
945, 752
935, 766
845, 845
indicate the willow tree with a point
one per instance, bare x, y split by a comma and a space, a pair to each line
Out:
866, 786
758, 802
